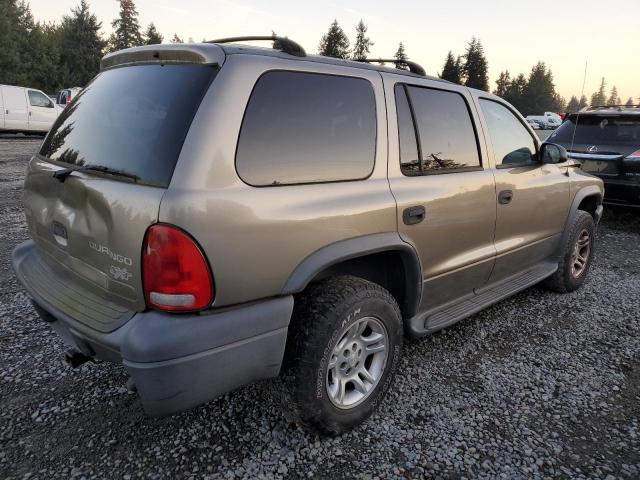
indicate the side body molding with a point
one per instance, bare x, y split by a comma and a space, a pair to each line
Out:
359, 247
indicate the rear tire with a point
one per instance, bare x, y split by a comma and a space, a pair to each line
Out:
577, 256
344, 346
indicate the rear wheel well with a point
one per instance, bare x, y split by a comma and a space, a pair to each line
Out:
391, 270
590, 204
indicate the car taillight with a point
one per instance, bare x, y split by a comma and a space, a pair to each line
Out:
634, 156
175, 273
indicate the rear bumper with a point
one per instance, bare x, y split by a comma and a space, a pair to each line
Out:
621, 192
179, 361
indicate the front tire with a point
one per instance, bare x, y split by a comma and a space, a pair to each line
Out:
346, 341
577, 256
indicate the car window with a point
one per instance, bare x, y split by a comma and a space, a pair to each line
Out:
447, 139
602, 129
512, 143
38, 99
132, 118
307, 128
406, 132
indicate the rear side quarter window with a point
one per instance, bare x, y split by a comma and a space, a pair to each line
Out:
307, 128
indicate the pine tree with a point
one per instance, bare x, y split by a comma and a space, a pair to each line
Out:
401, 55
363, 43
126, 32
334, 43
515, 92
502, 84
176, 39
152, 36
81, 46
475, 66
452, 69
574, 105
629, 102
614, 99
599, 98
584, 102
540, 95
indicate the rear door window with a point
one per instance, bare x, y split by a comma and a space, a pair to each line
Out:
446, 135
307, 128
133, 119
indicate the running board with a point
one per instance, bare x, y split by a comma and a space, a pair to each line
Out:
436, 319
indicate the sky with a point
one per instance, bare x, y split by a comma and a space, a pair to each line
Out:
516, 34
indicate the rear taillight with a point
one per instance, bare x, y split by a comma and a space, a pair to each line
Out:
176, 274
634, 156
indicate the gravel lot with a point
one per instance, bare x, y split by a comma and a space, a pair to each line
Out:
540, 385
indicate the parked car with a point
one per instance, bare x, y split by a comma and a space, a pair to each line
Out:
25, 110
547, 123
66, 95
287, 215
606, 140
535, 124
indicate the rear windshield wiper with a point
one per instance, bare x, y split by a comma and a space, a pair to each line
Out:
62, 175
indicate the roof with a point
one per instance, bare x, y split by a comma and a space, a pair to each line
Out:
610, 110
212, 53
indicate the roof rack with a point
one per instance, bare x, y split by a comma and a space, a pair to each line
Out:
609, 107
413, 66
283, 43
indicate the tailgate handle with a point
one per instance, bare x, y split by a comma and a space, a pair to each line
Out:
413, 215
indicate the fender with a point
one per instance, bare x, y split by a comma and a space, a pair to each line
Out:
358, 247
584, 192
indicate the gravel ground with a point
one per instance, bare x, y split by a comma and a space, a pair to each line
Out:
540, 385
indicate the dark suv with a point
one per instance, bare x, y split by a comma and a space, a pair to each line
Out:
607, 143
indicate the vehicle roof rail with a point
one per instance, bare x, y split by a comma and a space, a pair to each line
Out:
284, 44
413, 66
609, 107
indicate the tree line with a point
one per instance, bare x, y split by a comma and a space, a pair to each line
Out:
51, 56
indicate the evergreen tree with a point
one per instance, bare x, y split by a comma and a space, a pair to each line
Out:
401, 55
334, 43
126, 32
452, 69
475, 66
629, 102
502, 84
515, 93
574, 105
540, 95
363, 43
599, 98
176, 39
614, 99
152, 36
81, 46
584, 102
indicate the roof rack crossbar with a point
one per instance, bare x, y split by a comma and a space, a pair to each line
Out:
283, 43
413, 66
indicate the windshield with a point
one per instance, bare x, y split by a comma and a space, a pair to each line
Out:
599, 129
133, 119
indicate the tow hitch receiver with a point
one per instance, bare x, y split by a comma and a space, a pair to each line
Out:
75, 358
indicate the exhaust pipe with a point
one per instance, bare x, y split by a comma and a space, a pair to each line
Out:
74, 358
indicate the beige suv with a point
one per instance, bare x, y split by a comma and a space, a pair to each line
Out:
209, 215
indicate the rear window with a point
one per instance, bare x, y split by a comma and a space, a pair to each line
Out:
307, 128
599, 129
133, 119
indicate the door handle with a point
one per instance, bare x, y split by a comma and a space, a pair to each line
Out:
505, 197
413, 215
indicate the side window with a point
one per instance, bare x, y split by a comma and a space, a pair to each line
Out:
307, 128
37, 99
512, 144
446, 136
409, 162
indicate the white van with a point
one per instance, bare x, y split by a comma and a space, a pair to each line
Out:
26, 110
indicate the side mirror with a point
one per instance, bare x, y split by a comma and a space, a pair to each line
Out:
552, 153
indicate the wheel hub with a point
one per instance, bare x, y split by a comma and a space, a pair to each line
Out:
357, 362
580, 254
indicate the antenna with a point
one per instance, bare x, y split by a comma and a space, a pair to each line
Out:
575, 128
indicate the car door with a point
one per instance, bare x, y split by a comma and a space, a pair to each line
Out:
15, 108
532, 197
42, 111
443, 187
